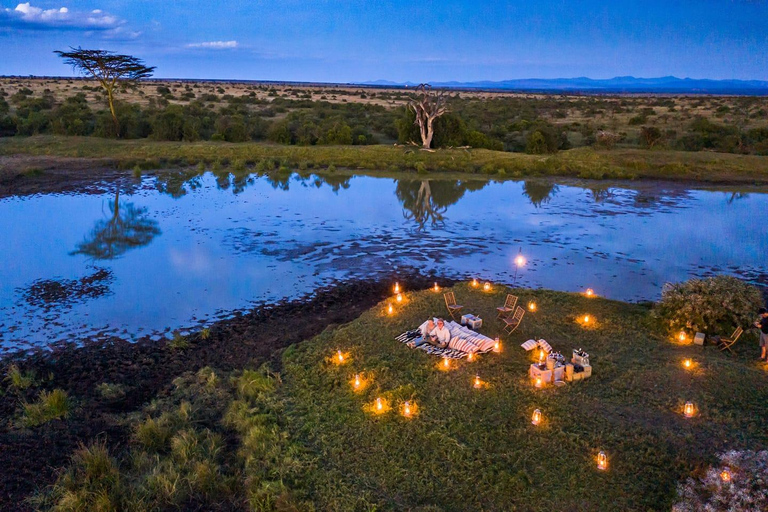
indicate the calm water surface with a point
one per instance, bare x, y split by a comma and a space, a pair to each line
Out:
176, 253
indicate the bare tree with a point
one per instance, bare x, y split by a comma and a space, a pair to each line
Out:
428, 105
113, 71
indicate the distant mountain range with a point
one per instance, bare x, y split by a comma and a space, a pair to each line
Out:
619, 84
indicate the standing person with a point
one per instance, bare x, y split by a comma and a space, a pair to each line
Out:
762, 324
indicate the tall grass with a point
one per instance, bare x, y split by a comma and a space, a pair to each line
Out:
49, 406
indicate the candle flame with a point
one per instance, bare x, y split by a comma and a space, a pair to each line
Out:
487, 286
532, 306
399, 297
538, 382
379, 404
602, 461
590, 292
478, 382
689, 410
497, 346
725, 475
397, 287
390, 309
536, 418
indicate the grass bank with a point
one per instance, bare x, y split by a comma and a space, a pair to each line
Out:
303, 439
706, 167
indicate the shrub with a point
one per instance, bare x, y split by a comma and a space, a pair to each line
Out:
746, 490
111, 391
17, 379
711, 305
250, 383
49, 406
178, 342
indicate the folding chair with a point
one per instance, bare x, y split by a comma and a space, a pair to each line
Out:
450, 303
512, 323
508, 307
727, 343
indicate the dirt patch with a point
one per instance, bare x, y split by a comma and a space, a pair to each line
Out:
29, 457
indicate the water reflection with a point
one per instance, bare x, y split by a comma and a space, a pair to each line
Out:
539, 192
427, 201
129, 227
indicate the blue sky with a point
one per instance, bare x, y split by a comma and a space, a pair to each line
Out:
346, 40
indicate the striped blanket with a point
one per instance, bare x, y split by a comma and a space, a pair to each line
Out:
463, 341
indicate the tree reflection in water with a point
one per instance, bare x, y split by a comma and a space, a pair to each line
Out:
129, 227
427, 201
539, 192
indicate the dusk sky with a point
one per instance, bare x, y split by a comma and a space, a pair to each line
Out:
355, 41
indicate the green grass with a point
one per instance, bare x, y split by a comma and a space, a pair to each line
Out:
17, 379
305, 440
49, 406
582, 162
472, 449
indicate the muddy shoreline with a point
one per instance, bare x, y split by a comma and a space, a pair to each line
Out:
29, 457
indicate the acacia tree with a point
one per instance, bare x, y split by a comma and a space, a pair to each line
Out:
428, 105
113, 71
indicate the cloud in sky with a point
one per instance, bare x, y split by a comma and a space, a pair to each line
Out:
28, 17
215, 45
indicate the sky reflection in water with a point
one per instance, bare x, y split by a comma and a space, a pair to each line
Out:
191, 248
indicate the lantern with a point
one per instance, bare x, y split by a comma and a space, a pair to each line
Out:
602, 461
586, 319
357, 383
539, 382
446, 363
478, 383
397, 287
681, 336
536, 418
339, 356
379, 404
687, 363
390, 309
725, 475
497, 346
399, 297
531, 306
689, 410
519, 260
474, 283
487, 286
437, 288
590, 292
471, 357
407, 410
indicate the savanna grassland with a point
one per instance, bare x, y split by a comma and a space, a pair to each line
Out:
695, 138
294, 435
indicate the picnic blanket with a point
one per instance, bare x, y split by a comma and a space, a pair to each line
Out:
463, 341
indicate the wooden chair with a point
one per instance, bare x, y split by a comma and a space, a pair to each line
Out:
450, 303
508, 307
727, 343
513, 322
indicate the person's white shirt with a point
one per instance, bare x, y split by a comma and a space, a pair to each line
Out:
426, 330
443, 335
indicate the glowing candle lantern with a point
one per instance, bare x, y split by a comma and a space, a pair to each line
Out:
602, 461
339, 356
681, 336
471, 357
357, 383
379, 404
590, 292
407, 410
725, 475
689, 410
497, 346
531, 306
437, 288
687, 363
399, 297
487, 286
446, 363
478, 383
541, 357
536, 418
474, 283
390, 309
539, 382
397, 287
586, 319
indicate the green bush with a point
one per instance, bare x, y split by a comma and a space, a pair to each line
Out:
49, 406
714, 305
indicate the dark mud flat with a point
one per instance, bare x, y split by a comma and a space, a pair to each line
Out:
29, 457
